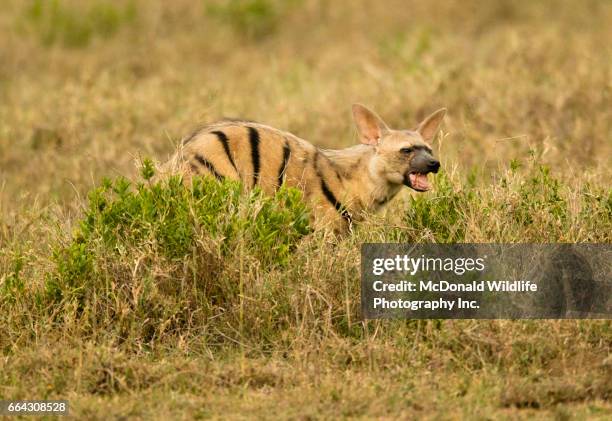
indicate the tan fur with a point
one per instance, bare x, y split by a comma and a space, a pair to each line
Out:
340, 185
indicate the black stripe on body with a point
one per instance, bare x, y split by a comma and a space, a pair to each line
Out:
254, 139
283, 168
329, 195
332, 199
225, 142
209, 166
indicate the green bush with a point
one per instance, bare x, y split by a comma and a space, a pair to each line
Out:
55, 22
540, 200
531, 205
179, 247
443, 214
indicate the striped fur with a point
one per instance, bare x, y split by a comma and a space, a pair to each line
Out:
340, 185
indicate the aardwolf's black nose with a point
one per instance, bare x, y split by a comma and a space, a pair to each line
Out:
433, 165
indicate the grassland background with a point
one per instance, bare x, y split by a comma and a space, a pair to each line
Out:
87, 88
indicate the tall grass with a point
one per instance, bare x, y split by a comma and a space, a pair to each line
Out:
160, 256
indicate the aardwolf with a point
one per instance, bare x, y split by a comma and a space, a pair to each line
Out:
339, 185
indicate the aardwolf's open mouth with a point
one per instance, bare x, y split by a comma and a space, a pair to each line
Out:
418, 181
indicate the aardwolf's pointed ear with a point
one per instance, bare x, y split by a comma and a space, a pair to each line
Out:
369, 125
429, 127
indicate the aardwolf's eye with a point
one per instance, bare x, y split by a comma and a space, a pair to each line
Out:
407, 150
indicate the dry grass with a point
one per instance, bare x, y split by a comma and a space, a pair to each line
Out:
83, 97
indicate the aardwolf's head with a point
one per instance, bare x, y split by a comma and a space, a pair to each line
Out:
402, 156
